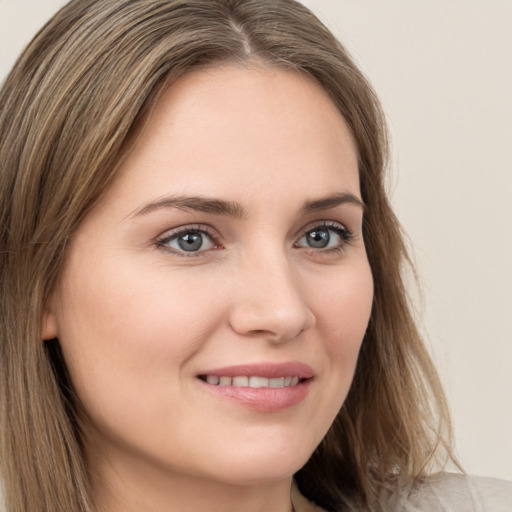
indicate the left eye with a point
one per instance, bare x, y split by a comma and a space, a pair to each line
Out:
191, 240
324, 237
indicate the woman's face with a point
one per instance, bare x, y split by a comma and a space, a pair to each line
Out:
212, 306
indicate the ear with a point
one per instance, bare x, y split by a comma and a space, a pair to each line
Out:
49, 329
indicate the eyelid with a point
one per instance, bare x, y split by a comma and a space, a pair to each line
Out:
341, 230
324, 223
170, 234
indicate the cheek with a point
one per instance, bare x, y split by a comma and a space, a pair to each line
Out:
346, 307
342, 318
119, 325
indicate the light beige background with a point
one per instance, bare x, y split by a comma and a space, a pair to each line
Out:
443, 70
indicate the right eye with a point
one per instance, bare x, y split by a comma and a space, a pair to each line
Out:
188, 241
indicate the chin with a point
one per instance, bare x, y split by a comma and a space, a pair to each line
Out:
262, 463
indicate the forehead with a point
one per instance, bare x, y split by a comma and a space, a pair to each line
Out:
230, 127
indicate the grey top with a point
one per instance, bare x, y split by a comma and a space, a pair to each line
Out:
445, 492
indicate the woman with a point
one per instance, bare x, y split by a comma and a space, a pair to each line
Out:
202, 274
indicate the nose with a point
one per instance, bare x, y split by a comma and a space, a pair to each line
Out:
269, 301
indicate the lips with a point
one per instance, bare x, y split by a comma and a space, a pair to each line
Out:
263, 387
251, 381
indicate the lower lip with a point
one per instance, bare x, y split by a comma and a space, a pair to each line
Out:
263, 399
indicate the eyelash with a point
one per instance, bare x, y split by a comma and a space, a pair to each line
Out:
340, 230
345, 235
174, 235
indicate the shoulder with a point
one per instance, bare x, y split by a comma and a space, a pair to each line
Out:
444, 492
449, 492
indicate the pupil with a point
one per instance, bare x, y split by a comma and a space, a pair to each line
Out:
190, 242
319, 238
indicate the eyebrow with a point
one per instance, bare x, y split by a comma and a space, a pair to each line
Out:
326, 203
236, 210
196, 203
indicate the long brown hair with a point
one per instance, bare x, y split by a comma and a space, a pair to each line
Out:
67, 110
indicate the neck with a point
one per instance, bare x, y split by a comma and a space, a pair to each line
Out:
138, 486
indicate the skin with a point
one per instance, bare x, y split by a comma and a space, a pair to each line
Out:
138, 318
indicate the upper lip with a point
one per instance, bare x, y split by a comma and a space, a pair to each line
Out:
268, 370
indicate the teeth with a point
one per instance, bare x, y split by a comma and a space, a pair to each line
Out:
224, 381
212, 379
277, 383
254, 381
258, 382
240, 381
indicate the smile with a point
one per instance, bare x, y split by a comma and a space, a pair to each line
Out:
262, 387
253, 381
